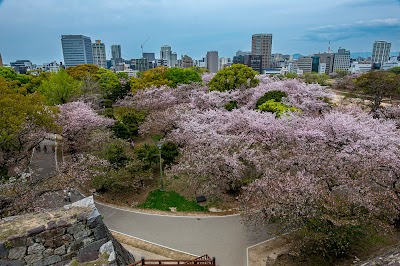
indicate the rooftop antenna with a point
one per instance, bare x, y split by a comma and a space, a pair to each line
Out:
329, 47
141, 46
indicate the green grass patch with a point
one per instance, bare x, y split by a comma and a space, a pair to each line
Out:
163, 200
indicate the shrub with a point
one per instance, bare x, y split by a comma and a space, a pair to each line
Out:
169, 151
271, 95
277, 108
231, 105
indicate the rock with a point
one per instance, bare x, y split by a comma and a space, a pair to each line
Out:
69, 256
60, 251
112, 257
29, 241
75, 229
35, 231
17, 253
91, 251
52, 259
36, 249
51, 225
172, 209
3, 251
107, 248
38, 263
86, 203
48, 234
11, 263
17, 241
63, 223
75, 246
48, 252
30, 259
82, 234
93, 216
100, 232
87, 241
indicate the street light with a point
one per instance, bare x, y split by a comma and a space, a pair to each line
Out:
159, 145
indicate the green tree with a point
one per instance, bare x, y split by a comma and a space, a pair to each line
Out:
148, 154
23, 122
169, 151
60, 88
122, 75
128, 121
234, 77
81, 71
378, 84
311, 78
155, 77
182, 76
115, 155
110, 86
395, 70
271, 95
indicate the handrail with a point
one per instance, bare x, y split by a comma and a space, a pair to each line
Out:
203, 260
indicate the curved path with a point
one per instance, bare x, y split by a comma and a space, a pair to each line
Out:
223, 237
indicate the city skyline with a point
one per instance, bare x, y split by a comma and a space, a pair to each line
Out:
194, 28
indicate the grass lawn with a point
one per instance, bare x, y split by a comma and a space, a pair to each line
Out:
163, 200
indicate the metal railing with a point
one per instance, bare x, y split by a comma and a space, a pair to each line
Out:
203, 260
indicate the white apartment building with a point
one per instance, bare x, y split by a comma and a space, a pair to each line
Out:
381, 52
357, 67
341, 60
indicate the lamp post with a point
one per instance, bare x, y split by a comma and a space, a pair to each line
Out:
159, 145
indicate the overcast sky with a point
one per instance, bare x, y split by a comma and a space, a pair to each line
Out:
32, 29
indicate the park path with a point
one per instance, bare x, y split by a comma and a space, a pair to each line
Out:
223, 237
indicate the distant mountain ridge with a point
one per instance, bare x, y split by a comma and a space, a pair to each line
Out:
368, 54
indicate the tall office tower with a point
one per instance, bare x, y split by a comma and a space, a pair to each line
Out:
381, 52
165, 54
341, 60
77, 50
149, 56
99, 54
174, 60
261, 44
116, 51
327, 59
1, 61
305, 63
187, 61
212, 61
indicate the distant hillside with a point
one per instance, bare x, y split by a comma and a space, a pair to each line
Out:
368, 54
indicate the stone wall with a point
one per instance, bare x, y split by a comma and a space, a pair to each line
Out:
76, 232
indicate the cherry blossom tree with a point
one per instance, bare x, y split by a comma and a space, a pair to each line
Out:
77, 120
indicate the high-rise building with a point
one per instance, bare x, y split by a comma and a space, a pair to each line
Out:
261, 44
327, 59
165, 54
305, 63
116, 51
212, 61
242, 53
187, 61
253, 61
99, 54
149, 56
174, 60
1, 61
341, 60
22, 66
77, 50
381, 52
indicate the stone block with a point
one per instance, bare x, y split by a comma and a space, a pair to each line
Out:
36, 230
49, 234
38, 263
51, 225
75, 246
17, 253
52, 260
62, 240
17, 241
92, 223
107, 248
30, 259
91, 251
63, 223
87, 241
60, 250
69, 256
62, 263
11, 263
82, 234
100, 231
36, 249
49, 243
48, 252
30, 241
75, 228
3, 251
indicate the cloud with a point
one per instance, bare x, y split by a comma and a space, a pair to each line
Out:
375, 27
